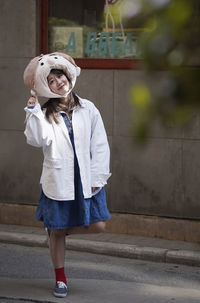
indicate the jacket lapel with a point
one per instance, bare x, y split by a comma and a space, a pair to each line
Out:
63, 128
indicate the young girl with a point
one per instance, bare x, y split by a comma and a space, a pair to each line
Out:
76, 155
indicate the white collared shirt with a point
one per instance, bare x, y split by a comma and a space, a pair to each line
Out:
91, 146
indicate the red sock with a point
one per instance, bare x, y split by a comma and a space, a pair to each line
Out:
60, 274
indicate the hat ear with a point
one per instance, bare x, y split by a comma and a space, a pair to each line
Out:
29, 73
78, 71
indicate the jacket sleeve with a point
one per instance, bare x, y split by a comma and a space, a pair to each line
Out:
37, 130
100, 152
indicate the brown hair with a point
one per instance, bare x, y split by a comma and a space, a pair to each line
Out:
52, 105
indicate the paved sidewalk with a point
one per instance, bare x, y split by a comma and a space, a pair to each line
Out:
120, 245
91, 290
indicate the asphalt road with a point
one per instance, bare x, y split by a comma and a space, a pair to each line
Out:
94, 278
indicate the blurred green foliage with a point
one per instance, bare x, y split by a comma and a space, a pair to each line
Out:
170, 53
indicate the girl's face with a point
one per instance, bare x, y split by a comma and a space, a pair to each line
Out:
58, 83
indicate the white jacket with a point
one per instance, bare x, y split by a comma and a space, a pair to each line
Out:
91, 146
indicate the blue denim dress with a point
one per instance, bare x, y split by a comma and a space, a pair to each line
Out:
78, 212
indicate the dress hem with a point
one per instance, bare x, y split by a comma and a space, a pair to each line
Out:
79, 225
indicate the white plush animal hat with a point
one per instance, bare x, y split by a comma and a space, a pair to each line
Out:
38, 69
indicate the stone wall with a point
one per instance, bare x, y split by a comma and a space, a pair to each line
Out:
19, 171
158, 179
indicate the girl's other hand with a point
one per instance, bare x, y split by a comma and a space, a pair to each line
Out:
33, 100
94, 189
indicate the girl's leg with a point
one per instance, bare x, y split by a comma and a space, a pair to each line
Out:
57, 250
57, 247
57, 240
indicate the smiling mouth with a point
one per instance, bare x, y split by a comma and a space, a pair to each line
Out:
61, 86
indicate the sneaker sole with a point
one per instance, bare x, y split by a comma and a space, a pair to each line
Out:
59, 295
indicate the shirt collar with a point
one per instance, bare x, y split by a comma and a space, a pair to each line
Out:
81, 101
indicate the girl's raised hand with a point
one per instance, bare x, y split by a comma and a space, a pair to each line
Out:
33, 100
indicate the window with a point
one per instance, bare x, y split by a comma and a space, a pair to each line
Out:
91, 31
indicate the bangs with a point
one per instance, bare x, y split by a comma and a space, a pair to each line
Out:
59, 72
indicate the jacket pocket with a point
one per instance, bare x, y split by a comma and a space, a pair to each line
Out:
53, 163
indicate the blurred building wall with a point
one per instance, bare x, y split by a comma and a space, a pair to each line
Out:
158, 179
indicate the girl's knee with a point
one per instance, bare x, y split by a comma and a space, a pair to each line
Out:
99, 227
58, 233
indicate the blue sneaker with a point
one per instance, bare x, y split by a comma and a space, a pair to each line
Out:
60, 289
